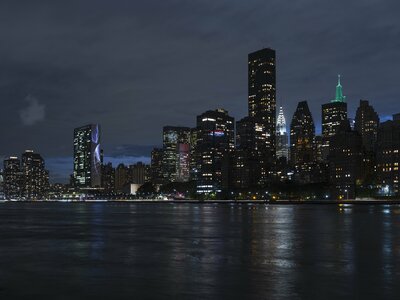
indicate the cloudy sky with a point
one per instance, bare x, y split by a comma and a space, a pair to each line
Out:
135, 66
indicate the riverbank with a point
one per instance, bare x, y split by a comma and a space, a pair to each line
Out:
232, 202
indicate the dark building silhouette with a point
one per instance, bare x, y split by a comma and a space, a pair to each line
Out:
13, 178
247, 167
215, 147
121, 178
35, 178
173, 137
302, 143
87, 157
345, 162
333, 114
388, 157
366, 124
156, 171
138, 173
107, 178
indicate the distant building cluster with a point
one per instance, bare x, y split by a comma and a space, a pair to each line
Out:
256, 157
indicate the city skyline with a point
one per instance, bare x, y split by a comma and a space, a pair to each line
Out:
58, 86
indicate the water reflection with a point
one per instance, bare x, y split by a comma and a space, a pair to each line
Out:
200, 251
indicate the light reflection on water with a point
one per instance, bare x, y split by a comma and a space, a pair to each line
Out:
199, 251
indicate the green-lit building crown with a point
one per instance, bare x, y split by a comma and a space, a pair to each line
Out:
339, 93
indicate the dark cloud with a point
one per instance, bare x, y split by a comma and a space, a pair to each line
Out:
135, 66
34, 112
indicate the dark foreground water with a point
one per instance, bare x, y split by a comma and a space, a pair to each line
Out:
191, 251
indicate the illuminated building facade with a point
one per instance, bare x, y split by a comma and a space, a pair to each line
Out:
183, 162
333, 114
173, 136
262, 105
282, 143
388, 157
214, 150
87, 157
302, 143
35, 178
12, 177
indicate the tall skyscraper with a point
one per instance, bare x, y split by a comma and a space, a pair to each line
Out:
302, 142
366, 124
333, 114
173, 136
282, 147
215, 147
262, 89
260, 125
87, 158
35, 183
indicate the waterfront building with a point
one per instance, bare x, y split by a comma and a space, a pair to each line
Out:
156, 171
35, 178
282, 140
333, 114
121, 178
215, 147
173, 136
388, 157
345, 162
138, 173
12, 174
107, 178
87, 157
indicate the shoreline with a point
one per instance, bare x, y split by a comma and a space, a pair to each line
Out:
258, 202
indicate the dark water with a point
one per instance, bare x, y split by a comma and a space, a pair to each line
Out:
190, 251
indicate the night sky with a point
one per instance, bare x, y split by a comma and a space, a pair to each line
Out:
135, 66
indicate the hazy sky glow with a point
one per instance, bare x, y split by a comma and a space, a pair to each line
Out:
135, 66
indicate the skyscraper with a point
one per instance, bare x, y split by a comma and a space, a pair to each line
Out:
87, 160
366, 124
173, 136
281, 136
262, 113
262, 89
345, 162
302, 142
333, 114
215, 147
35, 183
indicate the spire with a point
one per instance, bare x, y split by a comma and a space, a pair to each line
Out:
339, 93
281, 122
